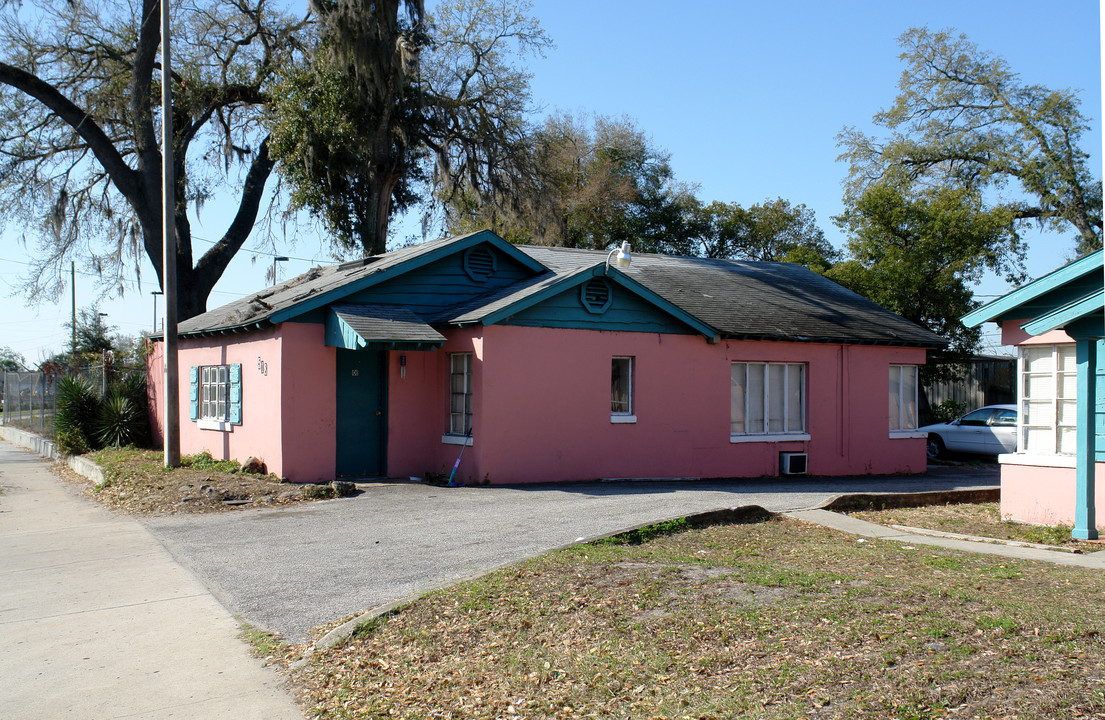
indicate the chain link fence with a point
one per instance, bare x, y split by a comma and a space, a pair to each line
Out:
30, 397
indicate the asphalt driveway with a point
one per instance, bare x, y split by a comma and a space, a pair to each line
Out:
289, 570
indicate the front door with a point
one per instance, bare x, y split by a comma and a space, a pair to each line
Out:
361, 413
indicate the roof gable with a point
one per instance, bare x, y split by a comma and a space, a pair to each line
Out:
1069, 284
561, 300
298, 297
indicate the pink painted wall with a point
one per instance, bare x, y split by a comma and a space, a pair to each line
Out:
1013, 334
287, 399
308, 398
417, 410
1045, 495
542, 413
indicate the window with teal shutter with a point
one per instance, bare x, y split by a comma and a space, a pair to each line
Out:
194, 392
235, 395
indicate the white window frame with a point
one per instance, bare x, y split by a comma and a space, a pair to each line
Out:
766, 435
1056, 401
629, 415
214, 392
459, 424
907, 422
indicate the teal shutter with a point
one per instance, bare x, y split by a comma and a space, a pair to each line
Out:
235, 394
194, 392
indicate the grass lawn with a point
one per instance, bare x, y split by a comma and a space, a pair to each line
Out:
768, 619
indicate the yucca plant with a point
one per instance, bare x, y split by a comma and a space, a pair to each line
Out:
77, 407
123, 417
117, 424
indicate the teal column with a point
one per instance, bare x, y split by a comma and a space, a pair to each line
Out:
1085, 515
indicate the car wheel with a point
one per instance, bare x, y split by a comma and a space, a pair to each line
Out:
935, 447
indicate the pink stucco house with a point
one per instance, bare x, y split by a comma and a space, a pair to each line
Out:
552, 364
1057, 323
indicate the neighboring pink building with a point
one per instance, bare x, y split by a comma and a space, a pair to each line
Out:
1057, 323
550, 364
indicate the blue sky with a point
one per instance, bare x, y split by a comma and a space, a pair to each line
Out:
746, 97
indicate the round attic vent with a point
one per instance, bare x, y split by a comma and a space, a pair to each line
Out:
479, 263
596, 296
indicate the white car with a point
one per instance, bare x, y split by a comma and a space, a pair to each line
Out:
990, 430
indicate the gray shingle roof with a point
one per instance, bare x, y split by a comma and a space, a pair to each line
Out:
258, 307
751, 300
387, 323
760, 300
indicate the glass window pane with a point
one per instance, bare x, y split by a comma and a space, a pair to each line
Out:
1067, 358
1068, 385
978, 417
1038, 359
909, 398
1039, 386
755, 398
620, 385
894, 406
1068, 412
796, 408
737, 397
1038, 412
1039, 440
1068, 440
776, 397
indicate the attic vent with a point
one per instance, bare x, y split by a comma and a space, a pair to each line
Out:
596, 296
479, 263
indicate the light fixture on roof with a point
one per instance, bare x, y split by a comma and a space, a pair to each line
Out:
276, 259
623, 257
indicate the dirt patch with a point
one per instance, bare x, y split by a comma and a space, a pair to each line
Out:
136, 482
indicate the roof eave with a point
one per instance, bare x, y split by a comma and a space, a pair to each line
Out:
995, 309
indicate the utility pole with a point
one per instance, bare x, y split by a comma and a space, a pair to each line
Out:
73, 327
171, 425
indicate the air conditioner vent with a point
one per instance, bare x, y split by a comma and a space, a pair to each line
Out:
792, 463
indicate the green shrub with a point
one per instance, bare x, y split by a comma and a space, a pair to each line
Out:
948, 410
204, 461
78, 406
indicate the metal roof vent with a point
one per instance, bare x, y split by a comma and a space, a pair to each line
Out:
596, 296
479, 263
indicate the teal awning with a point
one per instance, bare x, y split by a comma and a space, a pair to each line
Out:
382, 327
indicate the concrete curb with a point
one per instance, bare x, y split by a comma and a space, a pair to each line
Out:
976, 538
49, 449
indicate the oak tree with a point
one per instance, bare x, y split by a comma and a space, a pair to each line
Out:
398, 108
80, 162
963, 119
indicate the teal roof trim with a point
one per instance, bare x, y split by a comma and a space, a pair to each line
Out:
575, 279
412, 263
1069, 313
1035, 289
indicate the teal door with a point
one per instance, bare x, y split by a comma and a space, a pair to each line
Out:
361, 413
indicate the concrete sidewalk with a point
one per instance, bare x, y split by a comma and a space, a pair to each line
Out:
848, 524
98, 621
